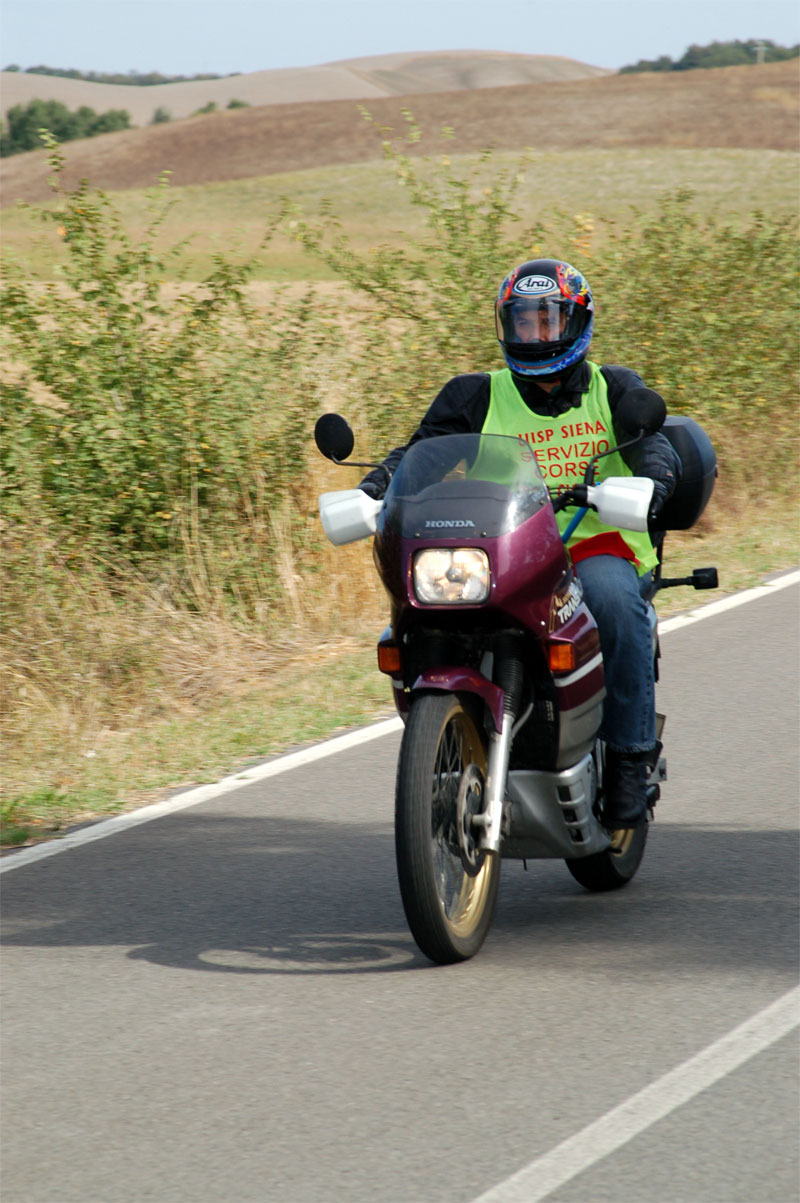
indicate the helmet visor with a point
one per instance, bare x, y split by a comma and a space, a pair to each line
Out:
537, 329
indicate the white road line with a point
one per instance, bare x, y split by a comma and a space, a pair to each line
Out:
284, 764
580, 1152
201, 793
728, 603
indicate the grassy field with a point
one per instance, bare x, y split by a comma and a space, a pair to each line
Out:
115, 691
233, 215
78, 767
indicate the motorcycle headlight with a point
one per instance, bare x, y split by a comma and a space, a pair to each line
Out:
451, 574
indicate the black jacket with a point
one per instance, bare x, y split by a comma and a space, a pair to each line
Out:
462, 405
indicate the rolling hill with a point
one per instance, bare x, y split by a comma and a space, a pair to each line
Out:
350, 79
732, 107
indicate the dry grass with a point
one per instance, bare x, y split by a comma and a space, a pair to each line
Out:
97, 669
117, 698
232, 215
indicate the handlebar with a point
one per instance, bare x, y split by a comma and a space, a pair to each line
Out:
577, 495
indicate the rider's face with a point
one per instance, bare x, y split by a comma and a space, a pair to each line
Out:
544, 324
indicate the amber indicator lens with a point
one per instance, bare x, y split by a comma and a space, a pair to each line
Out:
389, 658
561, 657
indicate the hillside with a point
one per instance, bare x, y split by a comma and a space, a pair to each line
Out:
735, 107
350, 79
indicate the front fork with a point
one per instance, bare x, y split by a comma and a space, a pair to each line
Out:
491, 817
501, 692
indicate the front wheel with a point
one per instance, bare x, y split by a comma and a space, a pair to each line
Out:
613, 868
448, 886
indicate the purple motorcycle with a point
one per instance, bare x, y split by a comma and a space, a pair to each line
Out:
496, 665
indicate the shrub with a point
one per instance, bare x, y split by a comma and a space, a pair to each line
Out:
705, 309
677, 296
174, 430
25, 122
155, 495
430, 304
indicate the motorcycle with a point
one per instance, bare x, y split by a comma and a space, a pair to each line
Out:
495, 661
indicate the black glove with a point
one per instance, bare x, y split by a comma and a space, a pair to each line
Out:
662, 491
372, 489
376, 482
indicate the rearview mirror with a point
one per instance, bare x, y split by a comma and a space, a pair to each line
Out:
333, 437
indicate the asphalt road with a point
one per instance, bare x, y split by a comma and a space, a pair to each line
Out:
225, 1005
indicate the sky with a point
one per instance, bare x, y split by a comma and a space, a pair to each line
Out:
188, 37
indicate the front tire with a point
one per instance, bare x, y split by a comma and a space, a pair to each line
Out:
449, 901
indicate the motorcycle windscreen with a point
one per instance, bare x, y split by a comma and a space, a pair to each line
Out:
464, 485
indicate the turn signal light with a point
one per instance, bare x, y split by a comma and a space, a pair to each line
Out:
561, 657
389, 658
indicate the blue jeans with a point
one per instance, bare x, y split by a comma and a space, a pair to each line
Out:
613, 592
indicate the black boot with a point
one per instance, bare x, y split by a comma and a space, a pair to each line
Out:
625, 789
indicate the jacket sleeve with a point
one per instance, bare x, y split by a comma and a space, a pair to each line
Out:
460, 408
654, 455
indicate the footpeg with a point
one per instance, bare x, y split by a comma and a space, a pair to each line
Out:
658, 772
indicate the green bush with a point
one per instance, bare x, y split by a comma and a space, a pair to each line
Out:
173, 429
706, 310
431, 304
703, 309
25, 123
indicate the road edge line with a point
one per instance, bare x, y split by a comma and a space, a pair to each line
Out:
198, 794
578, 1153
283, 764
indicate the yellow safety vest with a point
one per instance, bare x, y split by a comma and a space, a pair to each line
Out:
563, 447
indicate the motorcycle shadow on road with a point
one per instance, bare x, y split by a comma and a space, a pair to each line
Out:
266, 895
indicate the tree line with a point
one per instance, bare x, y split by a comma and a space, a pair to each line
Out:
23, 123
718, 54
140, 79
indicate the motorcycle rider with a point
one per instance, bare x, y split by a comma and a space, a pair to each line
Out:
563, 406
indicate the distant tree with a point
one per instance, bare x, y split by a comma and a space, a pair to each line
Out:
664, 63
718, 54
134, 78
211, 107
12, 67
108, 122
160, 116
23, 123
238, 104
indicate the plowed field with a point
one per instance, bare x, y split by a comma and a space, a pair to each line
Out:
734, 107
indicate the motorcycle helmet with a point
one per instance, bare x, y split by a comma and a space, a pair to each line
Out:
544, 315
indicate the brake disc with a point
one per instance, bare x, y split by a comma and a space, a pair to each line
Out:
468, 804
